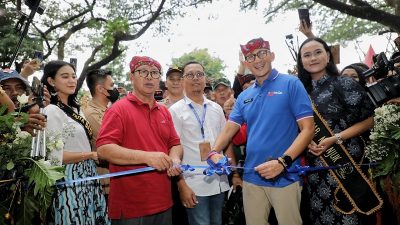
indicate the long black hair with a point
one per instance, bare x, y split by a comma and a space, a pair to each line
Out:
304, 75
50, 70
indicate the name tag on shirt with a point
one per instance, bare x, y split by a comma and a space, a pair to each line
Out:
205, 148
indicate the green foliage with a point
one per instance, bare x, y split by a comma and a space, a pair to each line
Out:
14, 143
9, 37
27, 210
213, 66
117, 67
27, 184
43, 175
331, 25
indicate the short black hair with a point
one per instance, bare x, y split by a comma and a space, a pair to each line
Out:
95, 77
189, 63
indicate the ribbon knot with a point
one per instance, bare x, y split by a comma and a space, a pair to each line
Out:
220, 168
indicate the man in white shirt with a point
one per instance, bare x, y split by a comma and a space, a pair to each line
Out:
198, 121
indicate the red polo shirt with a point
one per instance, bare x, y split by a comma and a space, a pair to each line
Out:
131, 123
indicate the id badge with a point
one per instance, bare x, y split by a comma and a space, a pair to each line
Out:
205, 148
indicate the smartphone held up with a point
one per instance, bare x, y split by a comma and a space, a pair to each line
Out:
304, 15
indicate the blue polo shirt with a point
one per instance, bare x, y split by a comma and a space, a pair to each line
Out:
271, 111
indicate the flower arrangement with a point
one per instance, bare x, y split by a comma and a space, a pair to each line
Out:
26, 183
384, 149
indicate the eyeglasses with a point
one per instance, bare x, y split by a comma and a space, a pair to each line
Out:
190, 76
145, 74
252, 57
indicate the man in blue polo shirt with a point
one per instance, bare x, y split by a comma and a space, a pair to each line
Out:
275, 109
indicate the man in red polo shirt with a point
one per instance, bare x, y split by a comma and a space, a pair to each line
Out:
136, 132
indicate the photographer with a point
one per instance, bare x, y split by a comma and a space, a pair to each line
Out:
387, 73
14, 85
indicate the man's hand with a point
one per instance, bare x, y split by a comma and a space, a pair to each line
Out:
270, 169
228, 105
30, 67
175, 170
216, 157
236, 181
158, 160
187, 195
35, 121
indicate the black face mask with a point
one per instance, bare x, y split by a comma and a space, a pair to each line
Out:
114, 95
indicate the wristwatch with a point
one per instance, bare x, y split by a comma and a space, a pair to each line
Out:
339, 139
286, 161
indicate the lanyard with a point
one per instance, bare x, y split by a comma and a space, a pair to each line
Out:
201, 122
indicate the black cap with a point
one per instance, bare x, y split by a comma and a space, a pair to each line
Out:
173, 69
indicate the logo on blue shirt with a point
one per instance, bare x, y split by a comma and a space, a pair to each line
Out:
272, 93
247, 100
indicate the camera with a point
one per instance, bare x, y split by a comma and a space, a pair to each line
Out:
387, 86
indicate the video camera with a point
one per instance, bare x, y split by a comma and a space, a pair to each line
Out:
387, 86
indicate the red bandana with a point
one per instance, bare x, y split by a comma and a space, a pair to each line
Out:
143, 60
254, 44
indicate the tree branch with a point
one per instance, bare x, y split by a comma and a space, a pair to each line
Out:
62, 40
115, 51
364, 12
54, 27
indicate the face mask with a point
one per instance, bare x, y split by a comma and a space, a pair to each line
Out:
114, 95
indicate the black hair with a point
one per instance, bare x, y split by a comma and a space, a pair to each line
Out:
189, 63
95, 77
50, 70
239, 81
359, 68
304, 75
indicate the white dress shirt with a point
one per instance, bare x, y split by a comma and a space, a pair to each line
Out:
188, 128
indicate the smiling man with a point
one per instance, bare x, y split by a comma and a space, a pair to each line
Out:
198, 121
137, 131
275, 109
174, 85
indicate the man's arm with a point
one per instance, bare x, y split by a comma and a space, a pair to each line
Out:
304, 138
118, 155
225, 137
176, 154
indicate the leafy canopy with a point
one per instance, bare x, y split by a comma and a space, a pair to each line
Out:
213, 66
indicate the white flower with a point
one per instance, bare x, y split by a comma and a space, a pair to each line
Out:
59, 144
23, 134
23, 99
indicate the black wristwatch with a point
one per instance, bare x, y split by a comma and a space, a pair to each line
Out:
286, 161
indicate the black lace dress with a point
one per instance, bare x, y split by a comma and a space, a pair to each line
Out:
342, 102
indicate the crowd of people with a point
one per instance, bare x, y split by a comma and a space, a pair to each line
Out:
269, 122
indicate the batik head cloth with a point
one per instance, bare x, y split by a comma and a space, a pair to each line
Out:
254, 44
143, 60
